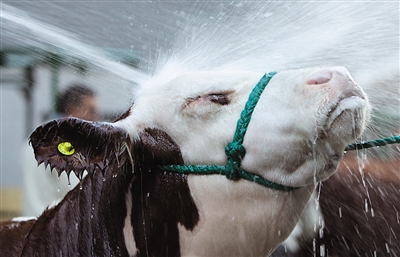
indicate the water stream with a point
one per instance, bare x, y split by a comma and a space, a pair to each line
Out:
47, 37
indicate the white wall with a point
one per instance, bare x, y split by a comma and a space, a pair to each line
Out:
12, 122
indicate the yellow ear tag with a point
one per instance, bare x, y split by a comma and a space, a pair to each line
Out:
66, 148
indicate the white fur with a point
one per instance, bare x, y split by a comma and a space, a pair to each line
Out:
292, 139
20, 219
310, 223
128, 229
240, 218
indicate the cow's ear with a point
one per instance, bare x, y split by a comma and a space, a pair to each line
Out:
156, 147
71, 144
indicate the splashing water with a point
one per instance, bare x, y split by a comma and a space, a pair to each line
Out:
44, 36
262, 36
277, 36
174, 37
274, 36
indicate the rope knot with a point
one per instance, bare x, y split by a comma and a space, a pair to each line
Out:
235, 152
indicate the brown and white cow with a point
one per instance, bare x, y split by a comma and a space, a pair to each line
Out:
129, 205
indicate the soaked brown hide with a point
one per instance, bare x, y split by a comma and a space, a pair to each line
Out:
361, 209
360, 206
12, 236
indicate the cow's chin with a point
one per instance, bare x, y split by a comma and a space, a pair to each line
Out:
348, 119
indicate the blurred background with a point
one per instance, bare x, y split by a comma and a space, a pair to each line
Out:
112, 47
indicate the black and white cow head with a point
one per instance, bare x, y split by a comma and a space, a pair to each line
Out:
296, 137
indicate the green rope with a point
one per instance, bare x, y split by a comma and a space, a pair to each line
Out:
235, 150
374, 143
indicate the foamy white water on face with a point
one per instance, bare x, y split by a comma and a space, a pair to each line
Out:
45, 36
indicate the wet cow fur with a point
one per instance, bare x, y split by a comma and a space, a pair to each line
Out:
128, 205
359, 212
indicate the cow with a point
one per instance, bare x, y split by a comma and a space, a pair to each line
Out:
132, 203
357, 213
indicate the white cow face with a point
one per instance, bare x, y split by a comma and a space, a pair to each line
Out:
297, 134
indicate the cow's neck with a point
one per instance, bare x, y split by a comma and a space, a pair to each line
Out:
251, 219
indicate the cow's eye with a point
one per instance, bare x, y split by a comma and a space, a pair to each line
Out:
223, 98
220, 98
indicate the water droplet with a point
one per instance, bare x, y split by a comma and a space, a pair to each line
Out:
322, 250
387, 248
321, 233
266, 15
76, 226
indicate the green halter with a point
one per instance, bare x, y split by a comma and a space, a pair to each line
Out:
235, 150
374, 143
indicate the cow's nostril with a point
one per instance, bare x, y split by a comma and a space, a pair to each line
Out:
321, 77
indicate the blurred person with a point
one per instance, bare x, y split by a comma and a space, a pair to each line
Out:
43, 188
78, 101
